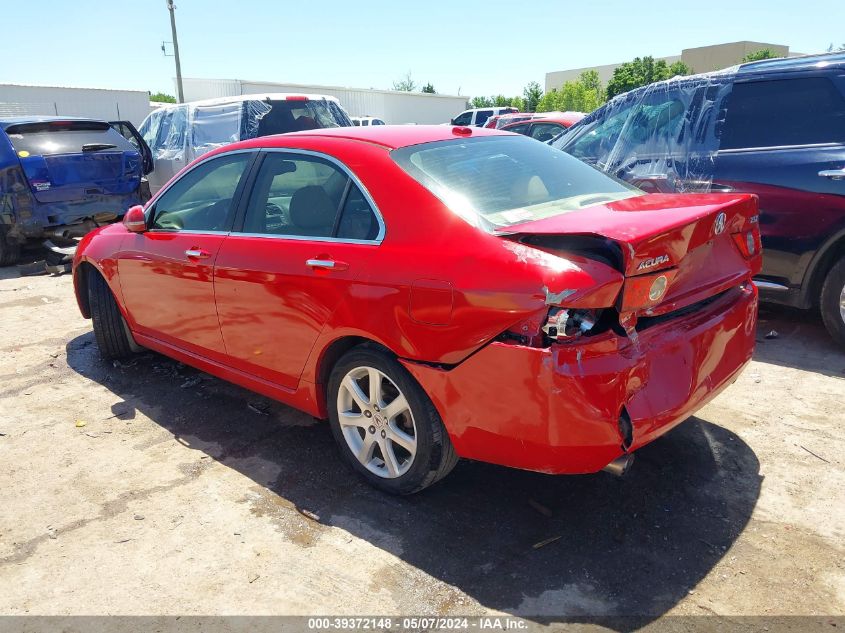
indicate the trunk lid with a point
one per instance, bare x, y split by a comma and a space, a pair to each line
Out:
693, 241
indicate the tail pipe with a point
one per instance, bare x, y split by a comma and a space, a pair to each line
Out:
619, 466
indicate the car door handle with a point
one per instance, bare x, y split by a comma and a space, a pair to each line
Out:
197, 253
327, 264
833, 174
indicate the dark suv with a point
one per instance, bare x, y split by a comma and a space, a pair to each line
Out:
775, 128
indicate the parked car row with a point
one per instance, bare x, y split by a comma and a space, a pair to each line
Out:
773, 128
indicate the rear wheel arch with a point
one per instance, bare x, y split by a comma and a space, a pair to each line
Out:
827, 257
81, 274
333, 352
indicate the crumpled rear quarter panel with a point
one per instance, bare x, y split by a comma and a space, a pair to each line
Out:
556, 409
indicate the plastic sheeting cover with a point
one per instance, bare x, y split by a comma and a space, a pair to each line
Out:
186, 131
663, 137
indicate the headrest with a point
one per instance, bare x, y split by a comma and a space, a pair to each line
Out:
311, 208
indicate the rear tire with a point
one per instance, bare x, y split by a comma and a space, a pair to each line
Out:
400, 425
110, 329
10, 251
832, 302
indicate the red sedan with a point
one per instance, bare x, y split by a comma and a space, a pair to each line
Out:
546, 127
436, 292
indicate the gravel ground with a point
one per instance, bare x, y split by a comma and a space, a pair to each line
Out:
150, 488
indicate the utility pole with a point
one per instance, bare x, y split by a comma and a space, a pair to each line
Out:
171, 8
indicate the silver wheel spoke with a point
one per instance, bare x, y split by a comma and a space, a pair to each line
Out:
390, 460
397, 406
375, 385
347, 418
355, 391
404, 440
365, 455
842, 303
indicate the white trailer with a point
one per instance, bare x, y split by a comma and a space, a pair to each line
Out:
93, 103
392, 106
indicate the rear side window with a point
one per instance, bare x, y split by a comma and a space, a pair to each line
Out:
65, 137
305, 196
522, 128
481, 116
784, 112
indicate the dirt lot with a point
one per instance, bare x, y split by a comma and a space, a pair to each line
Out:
181, 494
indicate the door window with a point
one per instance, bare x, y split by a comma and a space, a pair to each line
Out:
202, 199
784, 112
481, 116
545, 131
306, 196
463, 119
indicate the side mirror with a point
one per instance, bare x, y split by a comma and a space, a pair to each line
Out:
134, 219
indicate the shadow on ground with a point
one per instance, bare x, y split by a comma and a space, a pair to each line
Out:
624, 547
800, 340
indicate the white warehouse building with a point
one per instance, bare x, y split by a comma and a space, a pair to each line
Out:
392, 106
93, 103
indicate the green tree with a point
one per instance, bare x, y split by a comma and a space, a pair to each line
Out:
763, 53
679, 68
835, 49
481, 102
518, 103
428, 88
585, 94
641, 72
406, 84
532, 94
160, 97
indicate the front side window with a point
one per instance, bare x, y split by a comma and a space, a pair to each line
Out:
545, 131
802, 111
378, 122
497, 182
306, 196
170, 138
463, 118
202, 199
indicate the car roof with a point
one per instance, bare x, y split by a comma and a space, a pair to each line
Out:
17, 120
802, 62
258, 96
389, 136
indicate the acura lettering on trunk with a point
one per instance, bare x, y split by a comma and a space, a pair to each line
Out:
436, 293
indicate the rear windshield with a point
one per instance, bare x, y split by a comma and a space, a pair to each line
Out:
292, 115
498, 182
65, 137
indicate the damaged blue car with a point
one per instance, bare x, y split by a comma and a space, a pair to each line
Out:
63, 177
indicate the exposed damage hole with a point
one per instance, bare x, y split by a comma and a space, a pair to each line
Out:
626, 429
595, 247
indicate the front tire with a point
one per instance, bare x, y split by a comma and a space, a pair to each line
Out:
385, 425
832, 302
109, 326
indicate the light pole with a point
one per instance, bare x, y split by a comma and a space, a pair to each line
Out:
171, 8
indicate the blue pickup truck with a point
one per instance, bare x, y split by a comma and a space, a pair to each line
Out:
62, 177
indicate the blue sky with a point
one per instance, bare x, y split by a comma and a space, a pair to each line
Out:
475, 46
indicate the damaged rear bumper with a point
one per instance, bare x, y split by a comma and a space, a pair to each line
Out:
558, 409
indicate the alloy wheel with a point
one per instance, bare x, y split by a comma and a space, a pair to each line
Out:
376, 422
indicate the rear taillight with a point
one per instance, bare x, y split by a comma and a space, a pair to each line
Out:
645, 291
748, 242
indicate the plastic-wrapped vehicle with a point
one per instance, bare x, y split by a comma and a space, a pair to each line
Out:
774, 128
180, 133
63, 177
